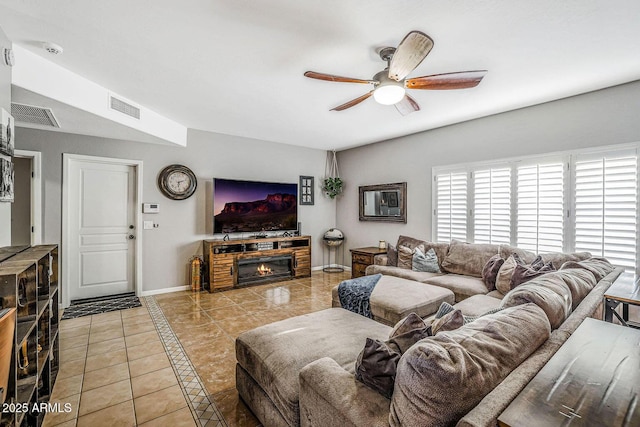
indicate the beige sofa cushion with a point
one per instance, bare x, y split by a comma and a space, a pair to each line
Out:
462, 286
441, 249
507, 250
468, 258
549, 292
481, 354
385, 270
579, 281
600, 267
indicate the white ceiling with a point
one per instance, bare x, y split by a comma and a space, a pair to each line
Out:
236, 67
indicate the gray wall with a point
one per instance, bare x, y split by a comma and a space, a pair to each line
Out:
21, 206
183, 224
5, 102
605, 117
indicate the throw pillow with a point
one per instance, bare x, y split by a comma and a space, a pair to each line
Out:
523, 273
490, 271
376, 367
405, 256
376, 364
392, 255
450, 321
425, 262
503, 279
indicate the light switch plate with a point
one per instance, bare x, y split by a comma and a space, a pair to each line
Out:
148, 225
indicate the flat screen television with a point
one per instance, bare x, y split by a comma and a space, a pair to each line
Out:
254, 206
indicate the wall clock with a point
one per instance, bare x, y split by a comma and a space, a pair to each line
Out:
177, 182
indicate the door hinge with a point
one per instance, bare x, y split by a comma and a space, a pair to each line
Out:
33, 229
33, 175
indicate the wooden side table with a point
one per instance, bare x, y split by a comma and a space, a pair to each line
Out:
625, 293
362, 257
591, 381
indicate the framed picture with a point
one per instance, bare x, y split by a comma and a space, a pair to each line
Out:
6, 181
7, 143
306, 190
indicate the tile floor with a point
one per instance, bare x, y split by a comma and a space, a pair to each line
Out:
122, 368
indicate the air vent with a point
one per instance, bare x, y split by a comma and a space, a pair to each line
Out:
42, 116
124, 107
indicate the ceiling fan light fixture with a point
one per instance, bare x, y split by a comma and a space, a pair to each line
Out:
388, 94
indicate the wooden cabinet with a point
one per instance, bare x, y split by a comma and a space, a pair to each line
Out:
361, 258
225, 259
29, 283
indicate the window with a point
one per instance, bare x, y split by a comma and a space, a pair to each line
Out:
581, 201
492, 206
451, 202
540, 207
606, 188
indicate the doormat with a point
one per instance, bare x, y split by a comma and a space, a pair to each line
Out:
100, 305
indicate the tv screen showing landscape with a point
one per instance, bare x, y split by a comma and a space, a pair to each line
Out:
254, 206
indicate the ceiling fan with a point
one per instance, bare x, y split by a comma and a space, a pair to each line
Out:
390, 84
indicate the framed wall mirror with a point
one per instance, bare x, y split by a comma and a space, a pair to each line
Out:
384, 202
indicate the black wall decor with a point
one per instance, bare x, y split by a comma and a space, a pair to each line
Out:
306, 190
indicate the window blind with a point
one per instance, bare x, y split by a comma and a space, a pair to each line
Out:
606, 207
540, 207
492, 205
451, 207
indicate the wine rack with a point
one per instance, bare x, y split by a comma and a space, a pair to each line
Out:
29, 283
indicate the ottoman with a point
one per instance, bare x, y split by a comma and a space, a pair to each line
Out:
394, 298
270, 357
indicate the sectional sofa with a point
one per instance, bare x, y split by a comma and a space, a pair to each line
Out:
301, 371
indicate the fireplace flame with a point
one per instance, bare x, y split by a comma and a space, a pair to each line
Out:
264, 271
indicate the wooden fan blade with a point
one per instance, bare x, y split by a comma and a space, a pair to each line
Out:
352, 102
409, 54
407, 105
459, 80
331, 78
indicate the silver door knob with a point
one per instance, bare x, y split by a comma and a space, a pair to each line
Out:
131, 237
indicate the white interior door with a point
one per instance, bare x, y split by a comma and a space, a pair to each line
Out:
101, 227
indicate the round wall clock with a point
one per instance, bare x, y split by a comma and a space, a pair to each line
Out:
177, 182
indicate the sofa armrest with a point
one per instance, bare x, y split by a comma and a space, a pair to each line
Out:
331, 396
380, 259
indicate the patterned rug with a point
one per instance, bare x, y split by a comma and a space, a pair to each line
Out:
102, 305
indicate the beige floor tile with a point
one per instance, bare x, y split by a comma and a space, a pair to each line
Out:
100, 361
133, 312
120, 415
105, 396
245, 297
153, 381
109, 325
143, 318
105, 347
55, 418
106, 335
235, 326
139, 328
73, 353
148, 364
75, 341
198, 334
230, 312
74, 323
143, 338
214, 301
70, 368
143, 350
70, 423
69, 332
159, 403
179, 418
105, 376
65, 387
105, 317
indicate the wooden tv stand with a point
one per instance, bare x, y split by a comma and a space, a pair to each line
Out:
225, 258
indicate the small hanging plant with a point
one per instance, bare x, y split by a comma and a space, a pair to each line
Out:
332, 185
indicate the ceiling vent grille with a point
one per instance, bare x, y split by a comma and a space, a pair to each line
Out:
124, 107
42, 116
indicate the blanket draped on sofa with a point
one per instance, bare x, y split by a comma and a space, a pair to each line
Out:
354, 294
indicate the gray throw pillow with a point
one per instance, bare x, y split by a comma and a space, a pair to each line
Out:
427, 262
523, 273
490, 271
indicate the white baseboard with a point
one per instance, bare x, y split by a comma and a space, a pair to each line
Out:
165, 290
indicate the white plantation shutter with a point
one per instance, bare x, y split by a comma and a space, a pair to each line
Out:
606, 191
540, 207
492, 205
451, 207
